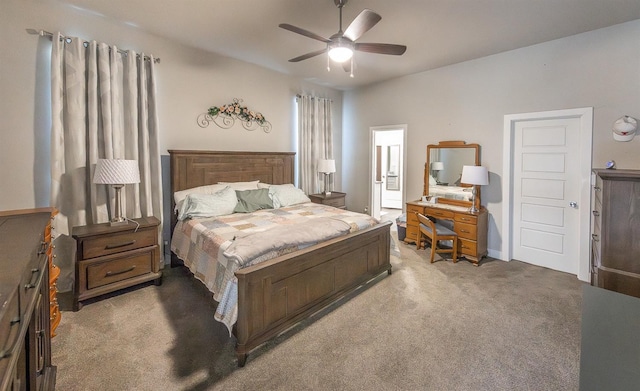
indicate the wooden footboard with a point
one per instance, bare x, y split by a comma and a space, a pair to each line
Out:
276, 294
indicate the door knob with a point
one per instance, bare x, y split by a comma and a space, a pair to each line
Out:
573, 204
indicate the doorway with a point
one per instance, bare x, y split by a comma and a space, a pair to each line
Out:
546, 192
387, 174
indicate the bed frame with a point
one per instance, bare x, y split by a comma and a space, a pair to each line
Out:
276, 294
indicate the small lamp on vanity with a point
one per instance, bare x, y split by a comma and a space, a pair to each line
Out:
476, 176
436, 167
117, 172
327, 167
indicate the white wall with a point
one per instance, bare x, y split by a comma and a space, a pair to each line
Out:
189, 82
468, 101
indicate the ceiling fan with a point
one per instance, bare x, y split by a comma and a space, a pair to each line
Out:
341, 45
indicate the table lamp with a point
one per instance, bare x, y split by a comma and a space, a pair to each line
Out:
117, 172
327, 167
476, 176
436, 167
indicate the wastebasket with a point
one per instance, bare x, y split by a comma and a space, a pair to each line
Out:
401, 222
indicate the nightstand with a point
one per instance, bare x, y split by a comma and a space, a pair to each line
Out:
334, 199
110, 258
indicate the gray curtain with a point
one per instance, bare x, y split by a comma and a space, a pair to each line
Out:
103, 106
315, 141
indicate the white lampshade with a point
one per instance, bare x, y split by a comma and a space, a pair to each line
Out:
437, 166
326, 166
475, 175
116, 172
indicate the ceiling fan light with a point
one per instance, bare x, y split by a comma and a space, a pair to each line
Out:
340, 53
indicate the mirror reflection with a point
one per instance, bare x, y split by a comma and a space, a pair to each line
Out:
443, 171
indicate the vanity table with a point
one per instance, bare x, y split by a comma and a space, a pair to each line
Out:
454, 200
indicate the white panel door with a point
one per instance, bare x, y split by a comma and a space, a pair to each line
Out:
546, 193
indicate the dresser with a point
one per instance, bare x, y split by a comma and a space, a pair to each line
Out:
470, 227
336, 199
25, 311
110, 258
615, 231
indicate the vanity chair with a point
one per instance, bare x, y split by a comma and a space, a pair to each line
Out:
448, 202
436, 232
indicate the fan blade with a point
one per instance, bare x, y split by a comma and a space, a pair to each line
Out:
308, 55
381, 48
361, 24
304, 32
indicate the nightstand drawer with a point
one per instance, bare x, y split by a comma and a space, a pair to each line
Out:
108, 272
335, 202
118, 242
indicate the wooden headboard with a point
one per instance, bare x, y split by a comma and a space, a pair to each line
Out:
197, 168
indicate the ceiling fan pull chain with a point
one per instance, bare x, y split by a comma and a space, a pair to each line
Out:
328, 63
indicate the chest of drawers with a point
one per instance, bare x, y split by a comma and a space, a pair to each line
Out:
615, 231
25, 333
109, 258
470, 227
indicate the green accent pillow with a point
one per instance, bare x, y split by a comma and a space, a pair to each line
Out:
252, 200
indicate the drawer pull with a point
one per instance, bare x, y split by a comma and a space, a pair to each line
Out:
464, 231
7, 353
34, 278
110, 273
125, 244
596, 213
44, 246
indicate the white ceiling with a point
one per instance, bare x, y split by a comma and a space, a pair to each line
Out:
436, 32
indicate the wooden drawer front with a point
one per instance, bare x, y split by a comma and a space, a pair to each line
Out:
467, 231
335, 202
439, 213
412, 233
468, 247
119, 242
463, 218
411, 214
31, 278
10, 322
108, 272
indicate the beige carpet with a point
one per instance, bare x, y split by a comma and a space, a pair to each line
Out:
500, 326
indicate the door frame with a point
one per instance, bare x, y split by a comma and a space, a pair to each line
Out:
585, 115
372, 157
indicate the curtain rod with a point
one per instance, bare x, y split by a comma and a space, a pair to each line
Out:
44, 33
314, 97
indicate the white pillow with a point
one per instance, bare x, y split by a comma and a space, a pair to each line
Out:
179, 196
285, 195
241, 185
263, 185
197, 205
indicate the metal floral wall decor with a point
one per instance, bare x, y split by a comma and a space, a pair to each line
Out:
225, 117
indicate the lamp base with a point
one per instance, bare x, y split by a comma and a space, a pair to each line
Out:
115, 222
327, 193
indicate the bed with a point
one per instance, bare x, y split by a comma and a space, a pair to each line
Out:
277, 293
